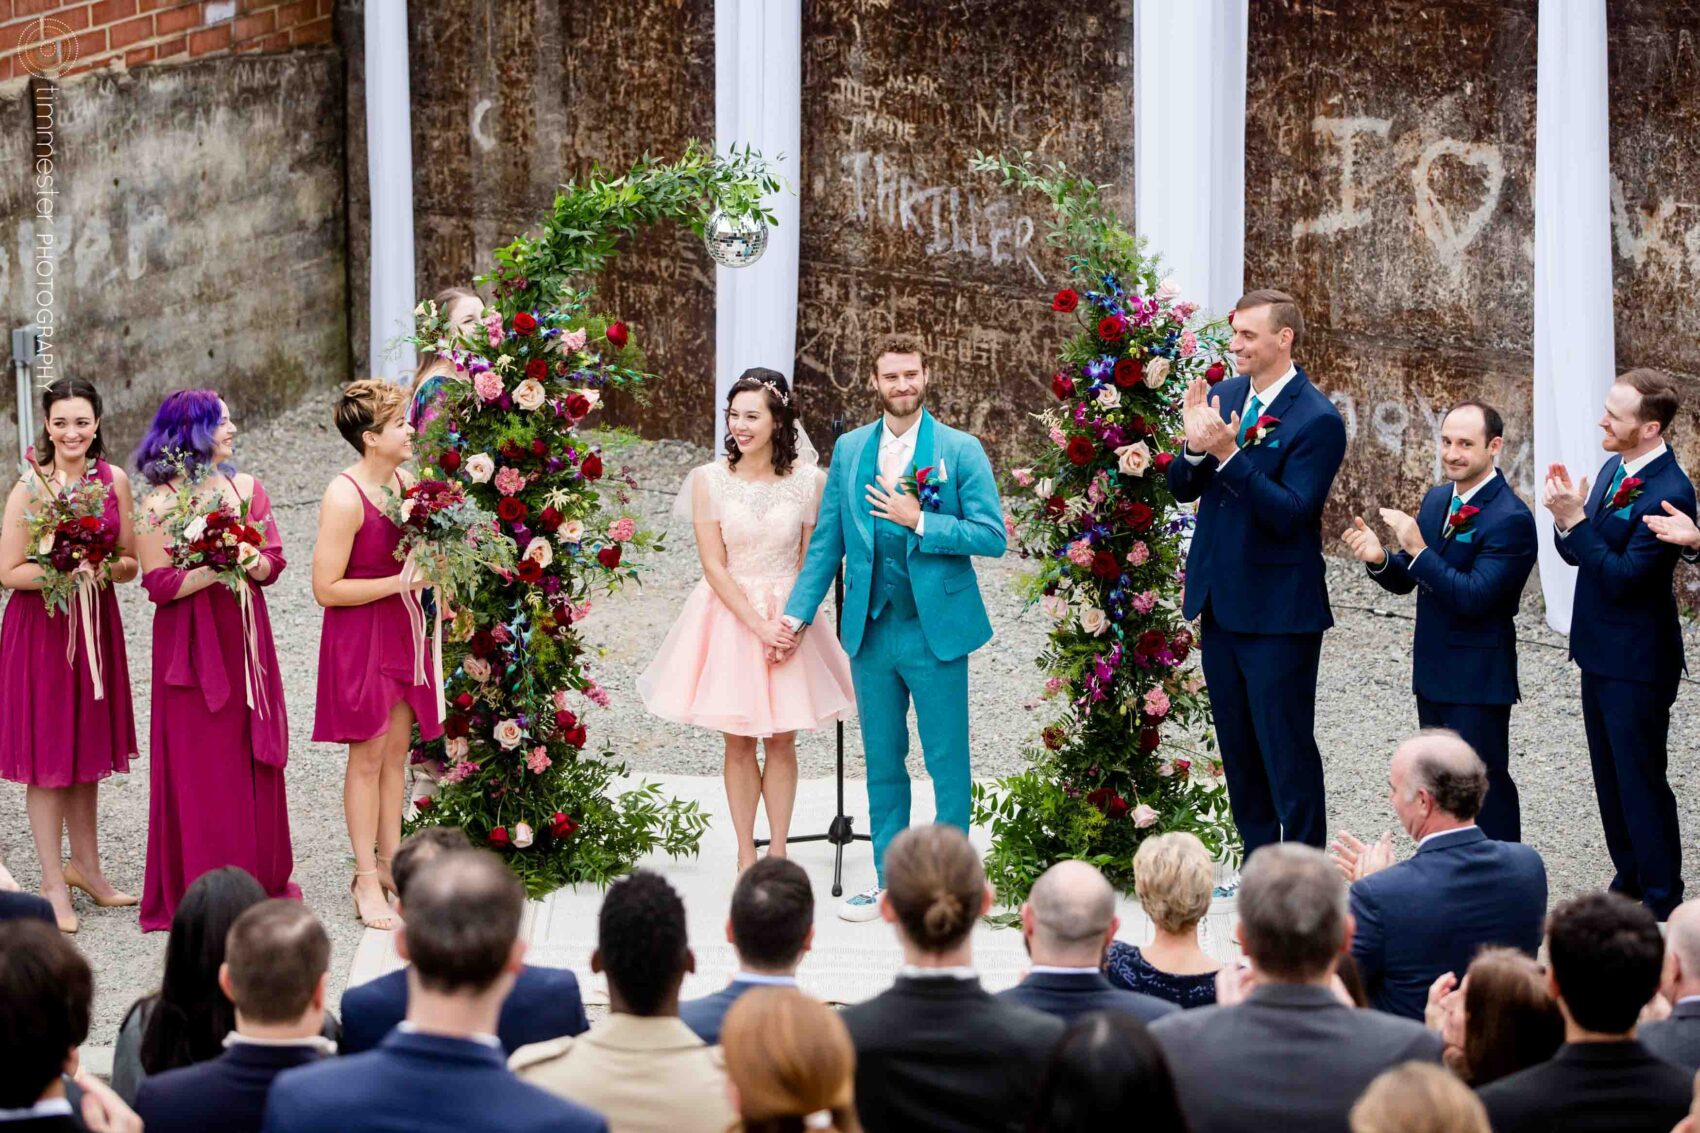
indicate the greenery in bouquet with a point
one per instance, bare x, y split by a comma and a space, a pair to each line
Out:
1127, 751
201, 529
454, 543
68, 536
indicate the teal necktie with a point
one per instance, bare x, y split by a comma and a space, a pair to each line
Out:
1457, 502
1616, 483
1252, 412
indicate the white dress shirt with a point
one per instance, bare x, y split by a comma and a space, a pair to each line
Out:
51, 1107
1630, 468
311, 1042
916, 972
897, 453
1421, 842
1054, 970
764, 981
479, 1037
1264, 399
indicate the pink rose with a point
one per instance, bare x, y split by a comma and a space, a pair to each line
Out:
477, 668
488, 385
510, 481
1156, 702
538, 761
456, 748
493, 326
1144, 602
508, 734
572, 341
1189, 344
622, 529
1166, 290
1139, 554
522, 835
1055, 606
1080, 553
1023, 477
1058, 438
1144, 816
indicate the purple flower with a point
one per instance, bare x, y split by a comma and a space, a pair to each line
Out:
1099, 368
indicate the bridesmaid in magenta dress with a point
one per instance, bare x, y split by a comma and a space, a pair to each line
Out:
56, 736
374, 684
220, 736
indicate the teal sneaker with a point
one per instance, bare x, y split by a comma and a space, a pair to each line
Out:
864, 906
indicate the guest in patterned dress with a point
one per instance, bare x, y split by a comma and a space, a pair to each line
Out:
462, 308
753, 512
1172, 876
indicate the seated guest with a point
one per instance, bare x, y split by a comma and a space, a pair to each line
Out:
1677, 1039
790, 1061
17, 905
936, 1051
1067, 922
186, 1020
1107, 1072
545, 1003
45, 992
1499, 1020
772, 925
1418, 1098
1292, 1055
1172, 876
1429, 914
1605, 955
276, 966
641, 1067
442, 1070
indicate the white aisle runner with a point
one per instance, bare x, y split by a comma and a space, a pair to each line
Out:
849, 962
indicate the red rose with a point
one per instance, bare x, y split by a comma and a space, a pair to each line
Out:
1151, 642
524, 323
550, 519
1081, 451
1136, 514
1065, 301
1110, 328
92, 522
1104, 565
562, 825
565, 721
577, 405
449, 461
537, 369
1162, 460
617, 335
591, 468
1215, 373
1054, 507
1180, 645
483, 643
1141, 426
455, 727
609, 556
1108, 801
1053, 737
1626, 493
499, 836
1062, 385
1127, 372
574, 736
511, 509
540, 447
511, 450
464, 700
1149, 738
424, 802
528, 570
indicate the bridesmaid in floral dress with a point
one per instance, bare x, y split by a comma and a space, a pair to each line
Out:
367, 696
220, 735
56, 735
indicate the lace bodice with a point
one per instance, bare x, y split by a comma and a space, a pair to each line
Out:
761, 523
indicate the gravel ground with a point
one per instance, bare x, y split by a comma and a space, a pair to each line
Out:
1364, 708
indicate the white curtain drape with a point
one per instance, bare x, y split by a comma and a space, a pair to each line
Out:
758, 101
389, 172
1575, 354
1189, 199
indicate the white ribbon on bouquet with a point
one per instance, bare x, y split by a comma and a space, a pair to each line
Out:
416, 621
83, 613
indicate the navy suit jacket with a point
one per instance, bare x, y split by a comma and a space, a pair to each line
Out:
1256, 553
16, 906
225, 1095
704, 1016
419, 1084
1676, 1039
1071, 995
1624, 622
1468, 589
1431, 913
544, 1004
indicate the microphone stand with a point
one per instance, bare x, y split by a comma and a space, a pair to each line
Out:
841, 831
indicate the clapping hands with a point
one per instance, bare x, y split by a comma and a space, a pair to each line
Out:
1673, 526
1206, 432
1568, 503
1363, 544
1355, 860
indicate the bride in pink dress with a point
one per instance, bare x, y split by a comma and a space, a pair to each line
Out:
753, 512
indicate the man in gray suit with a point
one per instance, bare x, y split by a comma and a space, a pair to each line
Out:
1290, 1055
1677, 1039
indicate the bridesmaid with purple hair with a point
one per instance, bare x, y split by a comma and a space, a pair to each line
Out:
60, 735
220, 734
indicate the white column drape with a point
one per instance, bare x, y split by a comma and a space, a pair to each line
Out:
389, 172
758, 101
1189, 200
1575, 353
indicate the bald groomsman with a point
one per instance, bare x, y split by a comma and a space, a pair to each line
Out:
1624, 632
1467, 553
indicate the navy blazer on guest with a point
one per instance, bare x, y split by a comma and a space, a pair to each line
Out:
224, 1095
419, 1084
1624, 622
705, 1015
1676, 1039
544, 1004
1256, 553
1431, 913
1069, 995
16, 906
1468, 589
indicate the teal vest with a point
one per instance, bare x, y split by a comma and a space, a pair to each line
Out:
890, 585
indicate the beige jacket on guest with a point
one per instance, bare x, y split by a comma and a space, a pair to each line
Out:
644, 1074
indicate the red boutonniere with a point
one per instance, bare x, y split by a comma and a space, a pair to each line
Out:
1627, 492
1259, 433
1459, 521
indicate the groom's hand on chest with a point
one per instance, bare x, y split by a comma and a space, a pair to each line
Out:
887, 499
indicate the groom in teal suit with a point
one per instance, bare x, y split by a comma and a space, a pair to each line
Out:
907, 502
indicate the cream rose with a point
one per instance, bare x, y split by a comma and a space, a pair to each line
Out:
1055, 606
1110, 397
522, 835
192, 530
1044, 488
529, 395
1144, 816
45, 547
508, 734
539, 551
456, 748
1156, 373
572, 531
477, 668
480, 467
1094, 621
1134, 459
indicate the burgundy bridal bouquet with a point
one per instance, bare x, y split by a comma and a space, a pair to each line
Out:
68, 532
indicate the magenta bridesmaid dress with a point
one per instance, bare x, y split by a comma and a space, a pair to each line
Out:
53, 732
366, 653
216, 795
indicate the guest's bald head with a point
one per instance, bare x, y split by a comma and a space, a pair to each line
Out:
1071, 913
1682, 951
1439, 762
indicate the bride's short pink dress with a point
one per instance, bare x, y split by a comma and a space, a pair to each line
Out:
712, 670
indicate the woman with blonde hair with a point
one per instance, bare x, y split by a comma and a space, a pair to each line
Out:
373, 685
790, 1065
463, 308
1173, 876
1418, 1098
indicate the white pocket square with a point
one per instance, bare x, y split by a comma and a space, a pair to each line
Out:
944, 473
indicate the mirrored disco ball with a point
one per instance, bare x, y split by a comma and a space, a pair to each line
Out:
736, 242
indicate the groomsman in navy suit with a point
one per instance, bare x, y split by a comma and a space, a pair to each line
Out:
1624, 632
1467, 553
1261, 452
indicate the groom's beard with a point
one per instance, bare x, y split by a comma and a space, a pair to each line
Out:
901, 406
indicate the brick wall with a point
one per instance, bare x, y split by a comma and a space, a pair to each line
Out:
90, 34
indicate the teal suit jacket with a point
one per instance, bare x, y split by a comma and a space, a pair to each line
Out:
969, 521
